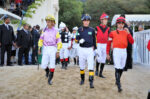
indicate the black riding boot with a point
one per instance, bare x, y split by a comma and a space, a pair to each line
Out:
91, 78
63, 64
75, 61
47, 71
118, 80
97, 68
50, 78
82, 75
66, 65
82, 79
101, 71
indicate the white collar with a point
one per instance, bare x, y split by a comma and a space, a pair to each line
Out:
25, 30
5, 24
37, 30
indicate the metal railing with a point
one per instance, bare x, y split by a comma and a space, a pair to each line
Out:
140, 52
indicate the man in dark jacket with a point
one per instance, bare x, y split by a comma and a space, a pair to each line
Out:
24, 43
7, 38
129, 60
35, 36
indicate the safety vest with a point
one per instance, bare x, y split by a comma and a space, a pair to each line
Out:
102, 34
64, 37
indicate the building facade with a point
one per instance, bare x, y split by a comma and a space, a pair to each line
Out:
47, 7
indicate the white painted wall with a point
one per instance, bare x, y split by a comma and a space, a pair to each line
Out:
47, 7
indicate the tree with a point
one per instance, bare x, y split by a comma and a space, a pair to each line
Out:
96, 7
135, 6
148, 3
70, 12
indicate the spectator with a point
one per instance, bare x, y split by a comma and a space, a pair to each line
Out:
17, 11
140, 28
18, 2
12, 6
13, 54
148, 45
27, 2
0, 49
7, 38
2, 3
129, 60
36, 36
24, 44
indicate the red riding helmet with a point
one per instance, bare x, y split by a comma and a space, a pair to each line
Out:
121, 19
104, 16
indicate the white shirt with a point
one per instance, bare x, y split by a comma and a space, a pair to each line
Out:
7, 26
25, 31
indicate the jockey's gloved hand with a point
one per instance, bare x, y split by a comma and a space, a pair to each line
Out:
81, 41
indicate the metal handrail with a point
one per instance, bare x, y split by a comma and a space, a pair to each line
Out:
140, 51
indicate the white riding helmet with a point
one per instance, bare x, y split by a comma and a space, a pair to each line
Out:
62, 25
75, 28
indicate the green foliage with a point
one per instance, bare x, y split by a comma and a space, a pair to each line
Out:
70, 12
147, 3
134, 6
96, 7
28, 14
1, 22
15, 21
34, 6
18, 22
40, 0
23, 22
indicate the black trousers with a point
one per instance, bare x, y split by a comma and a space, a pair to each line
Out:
25, 52
34, 54
129, 60
5, 48
0, 55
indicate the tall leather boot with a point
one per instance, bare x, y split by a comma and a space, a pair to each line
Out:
63, 64
75, 61
50, 76
66, 65
82, 75
47, 71
97, 68
91, 78
116, 76
68, 60
120, 72
118, 81
148, 97
101, 71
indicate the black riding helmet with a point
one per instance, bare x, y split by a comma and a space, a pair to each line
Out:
86, 17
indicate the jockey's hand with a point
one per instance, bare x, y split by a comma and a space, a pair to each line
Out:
127, 30
57, 55
69, 48
108, 57
39, 52
67, 30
